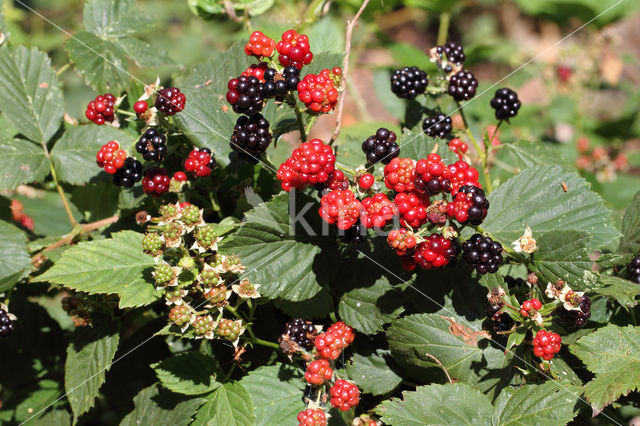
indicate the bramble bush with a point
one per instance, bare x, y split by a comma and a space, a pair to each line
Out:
214, 274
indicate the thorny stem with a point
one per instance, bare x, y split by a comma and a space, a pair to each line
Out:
482, 153
345, 71
443, 29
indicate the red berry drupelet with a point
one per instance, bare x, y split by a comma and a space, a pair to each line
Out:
294, 49
462, 86
329, 345
432, 175
402, 241
111, 157
344, 395
244, 95
170, 100
152, 145
366, 181
340, 207
101, 109
251, 137
319, 92
311, 163
318, 372
156, 181
483, 254
409, 82
530, 305
458, 147
180, 315
302, 332
311, 417
259, 45
128, 174
140, 107
200, 162
506, 104
435, 252
377, 211
399, 174
469, 205
438, 126
546, 344
337, 180
412, 207
381, 147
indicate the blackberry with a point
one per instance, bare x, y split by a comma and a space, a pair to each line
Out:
302, 332
502, 321
506, 104
170, 100
251, 137
482, 253
156, 181
462, 86
6, 325
152, 145
453, 51
633, 268
409, 82
438, 126
576, 318
279, 85
381, 147
356, 234
244, 95
478, 210
129, 173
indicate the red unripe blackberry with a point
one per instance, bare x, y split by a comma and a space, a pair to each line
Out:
506, 104
251, 137
180, 176
462, 174
318, 372
482, 253
432, 175
311, 417
377, 211
200, 162
402, 241
412, 208
111, 157
340, 207
244, 95
170, 100
257, 70
469, 205
329, 345
344, 395
302, 332
546, 344
152, 145
259, 45
128, 174
319, 92
343, 331
156, 181
366, 181
180, 315
399, 174
435, 252
409, 82
101, 109
337, 180
462, 86
311, 163
438, 126
294, 49
381, 147
458, 147
140, 107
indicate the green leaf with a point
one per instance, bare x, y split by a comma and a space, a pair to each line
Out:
458, 404
110, 266
21, 162
418, 145
276, 392
612, 353
373, 372
560, 370
96, 200
630, 242
29, 402
622, 291
551, 403
230, 405
535, 198
524, 154
155, 407
115, 18
284, 264
30, 93
563, 255
89, 357
143, 54
191, 373
53, 417
327, 35
15, 259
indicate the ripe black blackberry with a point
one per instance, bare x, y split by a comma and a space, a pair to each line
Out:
513, 282
302, 332
152, 145
409, 82
6, 325
129, 173
633, 268
453, 51
438, 126
251, 137
170, 100
381, 147
506, 103
576, 318
482, 253
462, 86
502, 321
356, 234
279, 85
244, 95
478, 211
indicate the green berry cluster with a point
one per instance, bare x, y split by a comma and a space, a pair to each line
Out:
229, 329
152, 244
205, 236
163, 273
180, 315
209, 278
190, 215
217, 294
172, 231
202, 325
168, 212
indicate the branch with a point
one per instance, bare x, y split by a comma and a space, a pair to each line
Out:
345, 70
441, 366
228, 7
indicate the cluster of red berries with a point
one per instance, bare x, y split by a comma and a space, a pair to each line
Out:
469, 205
257, 71
458, 147
101, 109
294, 49
318, 372
19, 216
337, 180
259, 45
311, 163
432, 175
412, 208
546, 344
312, 417
340, 207
402, 241
530, 305
155, 181
319, 92
377, 211
111, 157
200, 162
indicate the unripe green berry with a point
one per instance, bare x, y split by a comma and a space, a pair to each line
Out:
202, 325
163, 273
229, 329
205, 236
209, 278
190, 215
186, 262
168, 212
152, 244
172, 231
180, 315
217, 294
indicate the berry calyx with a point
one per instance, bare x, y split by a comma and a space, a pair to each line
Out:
432, 175
170, 101
152, 244
140, 107
294, 49
311, 163
302, 332
340, 207
462, 86
101, 109
259, 45
200, 162
318, 372
251, 137
409, 82
128, 174
469, 205
402, 241
399, 174
366, 181
111, 157
156, 181
311, 417
506, 103
438, 126
381, 147
344, 395
412, 207
546, 344
152, 145
483, 254
319, 92
180, 315
244, 95
435, 252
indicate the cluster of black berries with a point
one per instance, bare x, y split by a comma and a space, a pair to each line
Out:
302, 332
480, 205
453, 51
170, 100
356, 234
502, 321
251, 137
633, 268
6, 325
576, 318
438, 126
506, 103
482, 253
245, 95
279, 85
381, 147
409, 82
152, 145
129, 173
462, 86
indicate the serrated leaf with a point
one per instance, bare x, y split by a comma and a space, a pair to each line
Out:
524, 154
143, 54
622, 291
630, 242
276, 392
30, 93
318, 306
418, 145
322, 61
155, 407
89, 357
230, 405
29, 402
115, 18
563, 255
96, 200
551, 403
53, 417
21, 161
327, 35
110, 266
191, 373
284, 264
560, 370
457, 403
535, 198
612, 353
372, 373
137, 293
15, 259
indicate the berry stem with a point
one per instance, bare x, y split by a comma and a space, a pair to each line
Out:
481, 152
443, 28
65, 203
63, 69
124, 112
310, 124
258, 341
299, 119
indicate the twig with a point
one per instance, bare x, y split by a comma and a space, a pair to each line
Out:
443, 29
345, 70
228, 7
441, 366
